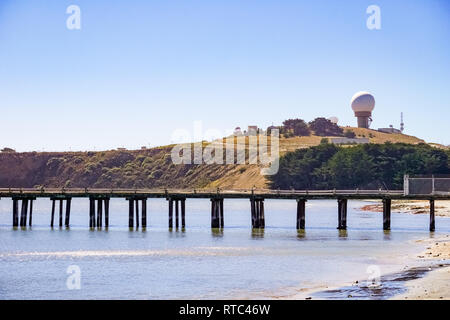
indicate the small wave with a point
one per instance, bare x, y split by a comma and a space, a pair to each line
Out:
203, 251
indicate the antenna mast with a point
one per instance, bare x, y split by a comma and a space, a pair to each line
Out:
402, 125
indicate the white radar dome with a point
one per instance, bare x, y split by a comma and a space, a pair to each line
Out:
363, 101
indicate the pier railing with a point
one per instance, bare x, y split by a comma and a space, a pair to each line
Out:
194, 193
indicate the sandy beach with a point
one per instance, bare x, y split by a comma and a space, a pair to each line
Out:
442, 207
435, 284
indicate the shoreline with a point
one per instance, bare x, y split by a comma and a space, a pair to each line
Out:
427, 279
442, 207
430, 280
435, 284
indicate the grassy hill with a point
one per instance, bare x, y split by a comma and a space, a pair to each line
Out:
151, 168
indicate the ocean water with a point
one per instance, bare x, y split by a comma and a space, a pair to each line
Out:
200, 263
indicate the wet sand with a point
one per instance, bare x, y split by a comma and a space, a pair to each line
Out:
431, 281
435, 285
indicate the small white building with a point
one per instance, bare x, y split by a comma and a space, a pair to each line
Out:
389, 130
343, 140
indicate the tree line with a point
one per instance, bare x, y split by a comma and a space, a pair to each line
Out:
318, 126
368, 166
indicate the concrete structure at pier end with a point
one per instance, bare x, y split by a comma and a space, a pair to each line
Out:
363, 104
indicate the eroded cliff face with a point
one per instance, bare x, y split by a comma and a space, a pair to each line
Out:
152, 168
23, 169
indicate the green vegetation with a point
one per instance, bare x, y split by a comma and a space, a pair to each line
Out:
299, 128
324, 127
369, 166
349, 134
152, 168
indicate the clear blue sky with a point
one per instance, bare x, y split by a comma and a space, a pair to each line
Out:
138, 70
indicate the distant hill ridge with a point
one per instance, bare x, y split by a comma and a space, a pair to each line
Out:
150, 168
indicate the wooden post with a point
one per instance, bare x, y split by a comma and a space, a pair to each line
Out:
221, 222
23, 213
213, 213
130, 213
301, 204
432, 224
99, 213
67, 222
256, 214
60, 213
144, 213
386, 214
91, 213
183, 213
170, 213
253, 212
342, 214
53, 212
176, 214
262, 220
15, 212
31, 213
106, 213
137, 213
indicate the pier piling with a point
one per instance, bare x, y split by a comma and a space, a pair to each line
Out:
133, 217
27, 204
257, 211
106, 213
30, 221
91, 213
144, 213
99, 213
432, 224
301, 208
137, 213
217, 213
342, 214
67, 220
387, 214
221, 214
170, 213
15, 212
130, 213
60, 213
183, 213
53, 212
180, 208
23, 213
176, 213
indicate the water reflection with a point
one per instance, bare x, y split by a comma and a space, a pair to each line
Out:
301, 234
343, 234
258, 233
386, 234
217, 232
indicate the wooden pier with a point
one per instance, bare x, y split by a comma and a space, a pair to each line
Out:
99, 204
